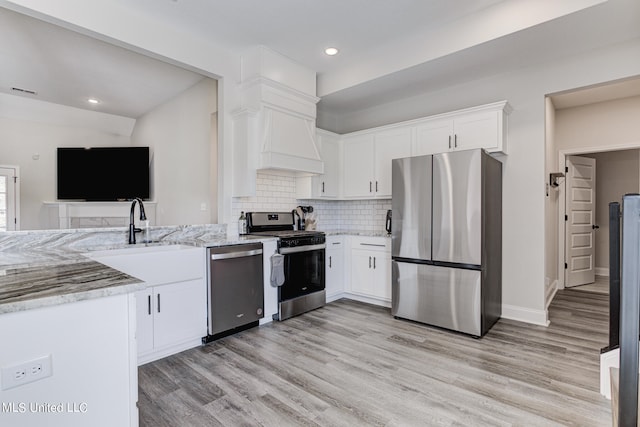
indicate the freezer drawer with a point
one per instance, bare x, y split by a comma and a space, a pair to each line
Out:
440, 296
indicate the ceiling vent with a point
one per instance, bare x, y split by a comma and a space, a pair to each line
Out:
27, 91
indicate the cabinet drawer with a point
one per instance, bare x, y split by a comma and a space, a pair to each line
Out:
382, 244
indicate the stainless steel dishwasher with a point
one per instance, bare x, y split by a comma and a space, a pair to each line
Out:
236, 289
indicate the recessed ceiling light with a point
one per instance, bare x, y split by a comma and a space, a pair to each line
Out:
331, 51
93, 101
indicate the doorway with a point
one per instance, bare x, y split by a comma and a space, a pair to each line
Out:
618, 173
9, 198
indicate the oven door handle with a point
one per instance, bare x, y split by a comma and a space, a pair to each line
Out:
285, 251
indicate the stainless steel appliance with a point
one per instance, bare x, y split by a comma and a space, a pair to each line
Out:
387, 223
447, 240
236, 290
304, 257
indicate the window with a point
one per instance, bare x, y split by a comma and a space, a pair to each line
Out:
8, 198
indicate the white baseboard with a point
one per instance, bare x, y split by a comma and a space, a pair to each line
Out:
527, 315
335, 297
602, 271
550, 292
168, 351
367, 299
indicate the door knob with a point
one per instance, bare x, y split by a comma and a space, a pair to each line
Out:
595, 227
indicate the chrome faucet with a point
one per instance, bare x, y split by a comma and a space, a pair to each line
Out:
143, 217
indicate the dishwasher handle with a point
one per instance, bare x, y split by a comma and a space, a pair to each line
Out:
240, 254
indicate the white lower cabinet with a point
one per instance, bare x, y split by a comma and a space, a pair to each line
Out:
371, 268
170, 315
334, 267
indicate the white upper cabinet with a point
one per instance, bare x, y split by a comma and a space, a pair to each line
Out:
326, 185
478, 127
358, 172
432, 137
367, 161
364, 157
389, 145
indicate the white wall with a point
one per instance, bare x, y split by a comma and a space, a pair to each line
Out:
603, 124
524, 195
37, 131
179, 133
551, 205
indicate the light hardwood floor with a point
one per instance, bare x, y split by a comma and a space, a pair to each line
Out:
601, 286
353, 364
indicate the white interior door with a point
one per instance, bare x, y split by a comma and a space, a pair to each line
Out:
8, 199
580, 223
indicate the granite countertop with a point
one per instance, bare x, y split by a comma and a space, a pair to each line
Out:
27, 288
49, 268
40, 273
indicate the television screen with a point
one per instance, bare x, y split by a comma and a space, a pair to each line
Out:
103, 173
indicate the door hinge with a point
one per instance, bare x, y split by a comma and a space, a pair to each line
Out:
566, 217
565, 266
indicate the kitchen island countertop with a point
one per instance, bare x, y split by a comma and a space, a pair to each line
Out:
39, 269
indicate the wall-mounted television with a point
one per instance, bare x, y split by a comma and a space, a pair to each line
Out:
103, 173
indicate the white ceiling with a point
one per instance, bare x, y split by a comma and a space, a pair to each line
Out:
388, 49
65, 67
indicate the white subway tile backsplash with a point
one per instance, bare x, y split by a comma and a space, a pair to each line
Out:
275, 191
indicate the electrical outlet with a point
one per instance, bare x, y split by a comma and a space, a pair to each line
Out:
26, 372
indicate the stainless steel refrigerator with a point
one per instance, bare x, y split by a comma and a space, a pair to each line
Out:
447, 240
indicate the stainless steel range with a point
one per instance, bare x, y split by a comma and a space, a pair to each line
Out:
304, 251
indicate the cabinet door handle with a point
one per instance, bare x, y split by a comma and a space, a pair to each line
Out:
374, 263
370, 188
449, 142
455, 141
329, 261
149, 304
323, 186
376, 186
369, 262
158, 303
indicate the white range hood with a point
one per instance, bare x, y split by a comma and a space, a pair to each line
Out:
276, 126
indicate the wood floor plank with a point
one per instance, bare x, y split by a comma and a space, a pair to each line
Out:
352, 364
